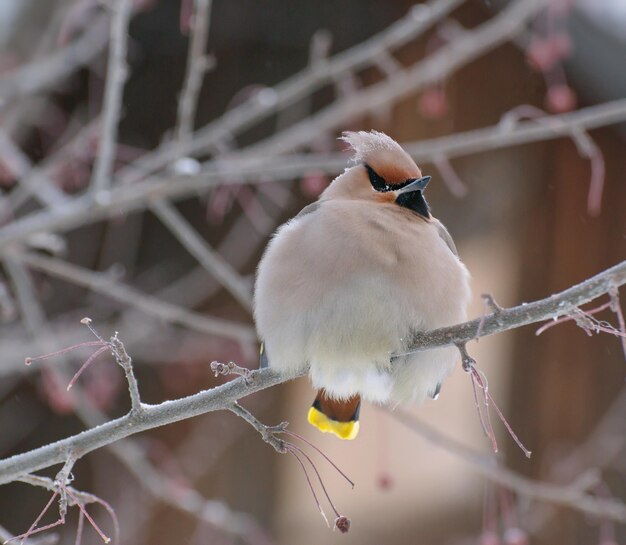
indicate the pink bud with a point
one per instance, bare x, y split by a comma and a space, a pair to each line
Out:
489, 537
560, 98
185, 18
432, 103
515, 536
561, 44
540, 55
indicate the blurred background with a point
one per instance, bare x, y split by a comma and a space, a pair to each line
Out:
280, 81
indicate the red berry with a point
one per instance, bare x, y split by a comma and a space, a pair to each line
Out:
560, 98
433, 103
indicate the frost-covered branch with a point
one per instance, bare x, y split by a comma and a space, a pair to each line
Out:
224, 396
117, 73
83, 211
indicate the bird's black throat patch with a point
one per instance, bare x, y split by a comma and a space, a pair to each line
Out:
414, 200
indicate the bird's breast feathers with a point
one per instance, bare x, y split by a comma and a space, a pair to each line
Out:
343, 288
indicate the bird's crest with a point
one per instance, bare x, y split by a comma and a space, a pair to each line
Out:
365, 144
383, 154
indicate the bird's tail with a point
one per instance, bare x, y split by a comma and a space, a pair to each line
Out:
340, 417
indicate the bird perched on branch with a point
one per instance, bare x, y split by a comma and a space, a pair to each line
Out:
345, 285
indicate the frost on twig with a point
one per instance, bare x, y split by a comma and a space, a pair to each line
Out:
584, 144
587, 321
113, 345
231, 368
117, 73
489, 303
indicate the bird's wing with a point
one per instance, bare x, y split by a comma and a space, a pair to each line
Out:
308, 209
445, 236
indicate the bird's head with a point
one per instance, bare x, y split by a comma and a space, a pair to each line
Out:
384, 173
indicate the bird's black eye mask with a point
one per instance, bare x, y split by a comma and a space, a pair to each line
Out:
411, 198
380, 185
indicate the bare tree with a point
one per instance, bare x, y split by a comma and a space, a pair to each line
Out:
43, 217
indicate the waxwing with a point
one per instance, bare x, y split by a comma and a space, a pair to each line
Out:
345, 285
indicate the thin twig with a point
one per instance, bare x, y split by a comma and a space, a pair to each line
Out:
81, 211
268, 433
33, 527
84, 366
321, 453
125, 362
206, 256
47, 72
442, 62
30, 309
70, 496
455, 185
414, 24
21, 168
296, 455
584, 144
189, 290
197, 65
616, 307
129, 296
117, 73
84, 512
214, 512
489, 302
572, 496
557, 321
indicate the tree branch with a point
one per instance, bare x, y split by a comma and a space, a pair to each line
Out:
572, 495
410, 27
197, 65
152, 416
117, 72
527, 313
224, 396
118, 291
468, 47
44, 73
82, 210
211, 260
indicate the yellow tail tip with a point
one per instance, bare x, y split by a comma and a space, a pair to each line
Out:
343, 430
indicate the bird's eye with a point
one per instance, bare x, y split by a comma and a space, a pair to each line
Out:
378, 183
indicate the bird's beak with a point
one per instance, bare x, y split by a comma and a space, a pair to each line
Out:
416, 185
